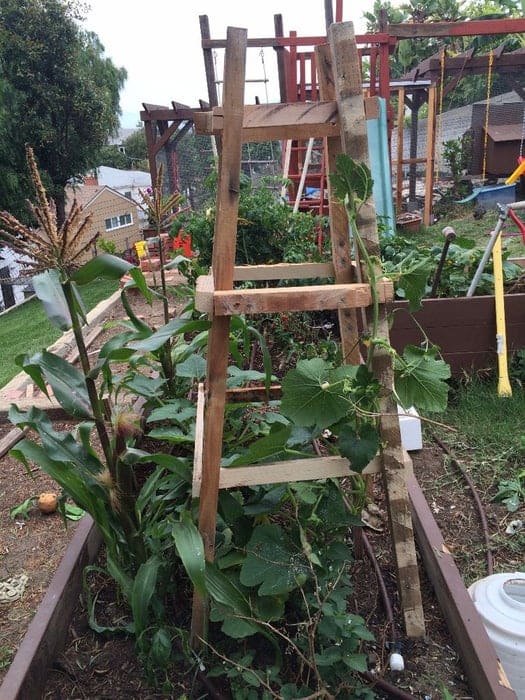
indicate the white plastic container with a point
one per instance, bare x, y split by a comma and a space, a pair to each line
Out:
500, 601
410, 428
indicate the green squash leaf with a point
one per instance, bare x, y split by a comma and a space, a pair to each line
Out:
314, 395
272, 562
351, 179
359, 447
420, 379
271, 446
193, 367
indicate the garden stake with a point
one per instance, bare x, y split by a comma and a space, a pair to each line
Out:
450, 235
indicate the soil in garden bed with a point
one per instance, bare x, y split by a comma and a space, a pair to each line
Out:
99, 666
31, 545
35, 545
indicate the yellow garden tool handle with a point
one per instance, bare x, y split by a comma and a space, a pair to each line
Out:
504, 388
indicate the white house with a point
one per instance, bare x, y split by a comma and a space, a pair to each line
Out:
10, 269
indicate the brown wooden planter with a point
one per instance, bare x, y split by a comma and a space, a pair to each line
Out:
464, 328
47, 632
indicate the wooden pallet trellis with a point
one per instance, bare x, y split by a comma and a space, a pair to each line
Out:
340, 118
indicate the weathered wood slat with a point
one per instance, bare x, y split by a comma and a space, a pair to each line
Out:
312, 298
348, 91
10, 440
223, 262
279, 299
471, 28
276, 121
345, 272
289, 470
283, 271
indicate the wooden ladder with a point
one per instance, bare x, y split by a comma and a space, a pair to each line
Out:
340, 119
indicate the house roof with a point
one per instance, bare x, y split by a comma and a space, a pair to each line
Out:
115, 177
87, 194
505, 132
121, 135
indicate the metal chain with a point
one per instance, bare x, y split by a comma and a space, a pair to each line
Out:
487, 114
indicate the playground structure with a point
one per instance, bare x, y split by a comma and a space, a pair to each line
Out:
304, 161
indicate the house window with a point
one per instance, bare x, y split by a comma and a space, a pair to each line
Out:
118, 222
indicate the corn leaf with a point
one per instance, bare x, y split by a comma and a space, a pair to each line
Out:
191, 551
142, 592
105, 265
48, 289
67, 382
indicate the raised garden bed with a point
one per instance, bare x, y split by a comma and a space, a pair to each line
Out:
464, 328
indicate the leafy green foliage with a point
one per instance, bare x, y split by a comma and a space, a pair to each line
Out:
314, 393
268, 230
351, 180
420, 379
411, 265
511, 492
59, 83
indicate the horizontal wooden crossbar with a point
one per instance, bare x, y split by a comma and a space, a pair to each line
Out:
292, 120
283, 271
276, 121
270, 473
282, 472
281, 299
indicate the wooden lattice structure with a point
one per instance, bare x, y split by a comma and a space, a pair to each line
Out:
340, 120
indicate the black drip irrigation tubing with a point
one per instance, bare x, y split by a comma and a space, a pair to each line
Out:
377, 681
479, 505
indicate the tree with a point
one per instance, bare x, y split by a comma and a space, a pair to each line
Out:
64, 94
136, 150
410, 52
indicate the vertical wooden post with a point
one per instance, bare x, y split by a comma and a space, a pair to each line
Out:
340, 239
281, 57
400, 148
348, 91
223, 262
430, 157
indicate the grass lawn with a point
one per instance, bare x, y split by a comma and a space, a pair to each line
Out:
478, 230
26, 328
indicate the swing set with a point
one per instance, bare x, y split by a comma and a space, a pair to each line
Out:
492, 194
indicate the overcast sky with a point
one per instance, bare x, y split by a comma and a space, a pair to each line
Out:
158, 43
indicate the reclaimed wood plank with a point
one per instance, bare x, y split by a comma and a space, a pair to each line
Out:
317, 297
199, 441
293, 120
283, 271
348, 90
10, 440
47, 632
289, 470
223, 262
339, 234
